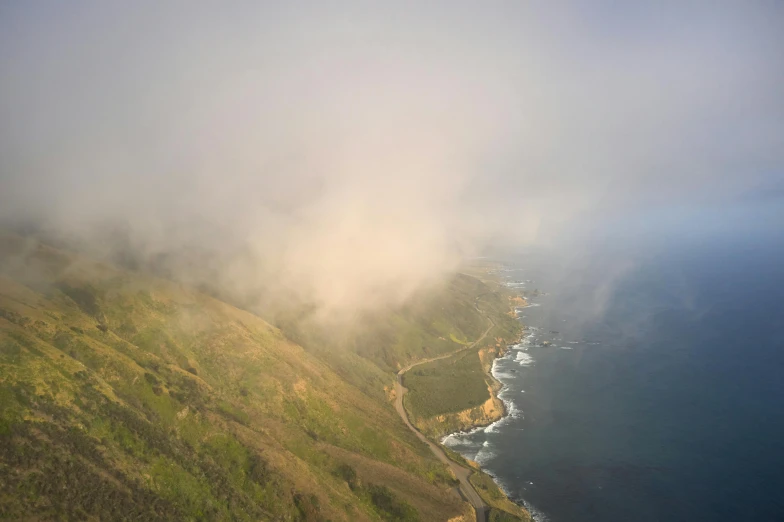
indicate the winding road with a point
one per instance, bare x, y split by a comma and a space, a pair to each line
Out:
462, 473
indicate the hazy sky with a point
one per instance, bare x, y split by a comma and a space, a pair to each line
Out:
363, 147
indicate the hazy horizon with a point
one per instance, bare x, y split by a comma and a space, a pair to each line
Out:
357, 151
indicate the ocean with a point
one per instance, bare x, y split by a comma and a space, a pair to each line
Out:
648, 387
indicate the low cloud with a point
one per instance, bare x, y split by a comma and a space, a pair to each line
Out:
350, 156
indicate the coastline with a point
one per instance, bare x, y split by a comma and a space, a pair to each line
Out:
496, 389
495, 408
491, 355
475, 482
532, 514
483, 415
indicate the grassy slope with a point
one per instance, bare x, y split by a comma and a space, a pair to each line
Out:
460, 382
440, 320
446, 386
501, 507
122, 394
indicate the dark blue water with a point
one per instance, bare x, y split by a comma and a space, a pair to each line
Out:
661, 396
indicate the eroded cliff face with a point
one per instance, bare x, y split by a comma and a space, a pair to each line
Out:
491, 353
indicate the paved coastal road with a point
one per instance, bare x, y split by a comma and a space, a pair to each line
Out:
462, 473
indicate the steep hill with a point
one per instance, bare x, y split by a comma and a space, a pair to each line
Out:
126, 396
439, 320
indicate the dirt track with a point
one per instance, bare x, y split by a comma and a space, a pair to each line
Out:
462, 473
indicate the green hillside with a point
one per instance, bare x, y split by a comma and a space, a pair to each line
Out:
441, 320
125, 396
446, 386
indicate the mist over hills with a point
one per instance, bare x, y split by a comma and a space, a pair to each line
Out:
225, 229
352, 156
129, 395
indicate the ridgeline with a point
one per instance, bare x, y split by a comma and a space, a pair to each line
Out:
126, 396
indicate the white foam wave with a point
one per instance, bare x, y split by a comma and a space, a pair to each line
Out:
496, 372
524, 359
536, 515
528, 340
566, 347
501, 376
460, 437
463, 441
512, 412
484, 454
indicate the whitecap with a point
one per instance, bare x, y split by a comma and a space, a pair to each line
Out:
461, 438
512, 412
523, 359
484, 454
492, 428
460, 434
514, 285
500, 376
498, 372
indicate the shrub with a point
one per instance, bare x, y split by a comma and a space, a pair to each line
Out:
349, 474
390, 506
308, 507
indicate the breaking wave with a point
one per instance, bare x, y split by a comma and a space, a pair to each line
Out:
524, 359
461, 438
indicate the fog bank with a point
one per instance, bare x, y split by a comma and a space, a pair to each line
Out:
351, 155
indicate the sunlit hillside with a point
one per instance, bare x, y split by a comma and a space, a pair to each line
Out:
127, 395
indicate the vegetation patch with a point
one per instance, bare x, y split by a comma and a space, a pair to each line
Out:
390, 506
502, 508
446, 386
